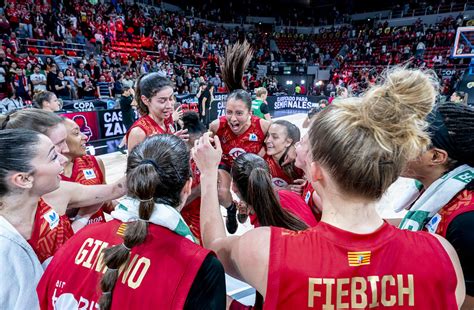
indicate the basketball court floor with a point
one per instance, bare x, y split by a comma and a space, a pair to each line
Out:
115, 165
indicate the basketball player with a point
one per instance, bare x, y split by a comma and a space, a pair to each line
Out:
311, 198
52, 227
251, 181
239, 131
46, 100
151, 260
192, 209
84, 169
446, 170
155, 103
352, 258
283, 135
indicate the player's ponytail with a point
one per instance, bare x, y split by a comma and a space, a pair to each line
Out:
233, 66
252, 177
157, 170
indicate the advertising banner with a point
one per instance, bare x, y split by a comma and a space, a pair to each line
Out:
110, 123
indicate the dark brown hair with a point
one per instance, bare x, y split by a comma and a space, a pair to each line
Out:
157, 170
233, 65
251, 174
33, 119
17, 149
148, 85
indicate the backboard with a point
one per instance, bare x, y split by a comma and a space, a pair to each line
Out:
464, 43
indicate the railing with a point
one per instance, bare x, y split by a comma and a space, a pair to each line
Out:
25, 43
429, 10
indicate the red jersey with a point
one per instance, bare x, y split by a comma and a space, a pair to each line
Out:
251, 141
293, 203
159, 273
50, 231
463, 202
86, 170
308, 198
150, 127
279, 177
191, 213
327, 267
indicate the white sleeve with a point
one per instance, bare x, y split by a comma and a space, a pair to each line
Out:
20, 276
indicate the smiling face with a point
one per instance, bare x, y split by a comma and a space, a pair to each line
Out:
238, 115
160, 106
277, 140
76, 140
47, 167
58, 135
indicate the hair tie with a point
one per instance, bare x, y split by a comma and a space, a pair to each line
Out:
147, 200
143, 220
111, 269
152, 162
106, 293
126, 247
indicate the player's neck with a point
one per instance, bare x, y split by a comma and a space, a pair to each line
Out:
159, 121
20, 210
351, 214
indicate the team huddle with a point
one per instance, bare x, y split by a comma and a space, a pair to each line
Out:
156, 238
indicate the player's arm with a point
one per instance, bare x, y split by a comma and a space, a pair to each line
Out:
135, 136
75, 195
265, 125
214, 126
460, 287
244, 257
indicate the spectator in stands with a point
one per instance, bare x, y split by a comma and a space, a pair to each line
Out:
103, 88
420, 50
83, 70
38, 80
128, 81
21, 85
51, 77
62, 88
70, 77
62, 62
297, 89
10, 104
194, 85
128, 115
46, 100
459, 97
88, 88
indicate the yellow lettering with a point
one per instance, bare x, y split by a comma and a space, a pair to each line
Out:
358, 292
373, 286
392, 300
410, 290
340, 293
82, 253
329, 283
312, 292
88, 262
129, 268
143, 261
99, 262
